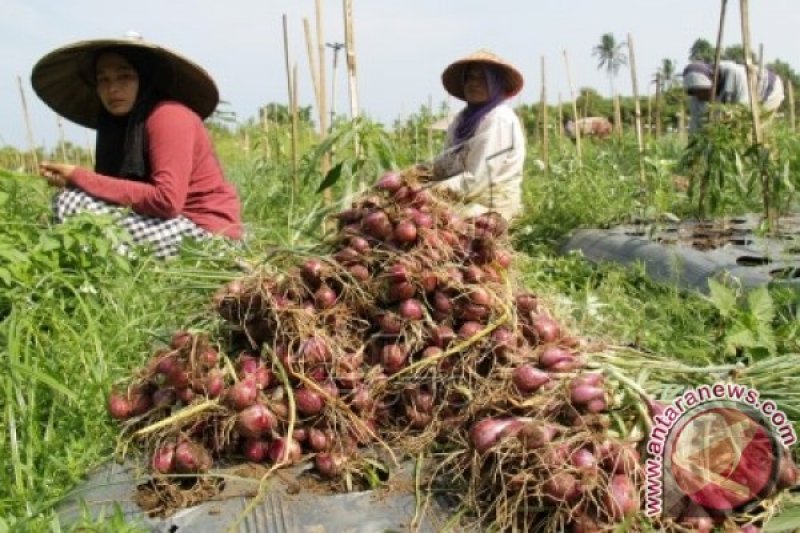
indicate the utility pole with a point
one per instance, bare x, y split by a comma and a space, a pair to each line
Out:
336, 47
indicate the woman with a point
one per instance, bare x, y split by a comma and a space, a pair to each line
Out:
155, 171
485, 148
732, 88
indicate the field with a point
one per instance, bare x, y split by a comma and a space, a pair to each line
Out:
76, 318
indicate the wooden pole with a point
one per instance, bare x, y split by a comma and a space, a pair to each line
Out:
718, 51
636, 107
323, 101
350, 50
790, 88
28, 128
560, 127
748, 61
649, 131
290, 89
62, 143
574, 111
312, 61
766, 194
658, 105
545, 123
295, 113
618, 126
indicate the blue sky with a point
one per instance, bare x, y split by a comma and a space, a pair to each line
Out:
401, 46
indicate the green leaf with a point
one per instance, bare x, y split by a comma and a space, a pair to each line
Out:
723, 298
785, 521
761, 306
44, 378
331, 178
740, 337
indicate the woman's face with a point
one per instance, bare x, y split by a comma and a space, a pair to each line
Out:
117, 83
476, 89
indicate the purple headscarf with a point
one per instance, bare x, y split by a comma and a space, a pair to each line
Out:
474, 113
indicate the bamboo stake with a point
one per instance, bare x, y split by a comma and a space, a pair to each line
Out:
295, 113
748, 61
350, 50
618, 126
718, 50
574, 111
61, 142
545, 129
649, 131
28, 128
658, 105
769, 209
760, 67
322, 104
312, 60
323, 101
290, 89
636, 107
790, 87
560, 123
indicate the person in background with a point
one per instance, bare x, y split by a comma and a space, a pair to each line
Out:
156, 171
484, 150
732, 88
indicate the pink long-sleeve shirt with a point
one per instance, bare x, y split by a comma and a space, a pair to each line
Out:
186, 177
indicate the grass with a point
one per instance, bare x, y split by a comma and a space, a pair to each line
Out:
76, 319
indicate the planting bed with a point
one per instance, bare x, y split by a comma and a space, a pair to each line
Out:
690, 252
292, 503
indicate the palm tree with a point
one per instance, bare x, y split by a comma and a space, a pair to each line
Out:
611, 56
702, 50
666, 74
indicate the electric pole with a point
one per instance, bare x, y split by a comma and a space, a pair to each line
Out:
336, 47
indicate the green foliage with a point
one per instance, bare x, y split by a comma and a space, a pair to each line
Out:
359, 150
715, 160
702, 50
727, 168
746, 321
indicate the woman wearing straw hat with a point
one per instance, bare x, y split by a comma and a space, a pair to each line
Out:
732, 88
155, 171
485, 148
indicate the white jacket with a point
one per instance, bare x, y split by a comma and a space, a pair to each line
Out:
486, 170
733, 89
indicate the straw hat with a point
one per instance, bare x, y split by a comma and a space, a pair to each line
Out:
453, 75
64, 79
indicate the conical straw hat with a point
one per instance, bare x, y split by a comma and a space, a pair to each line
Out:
453, 75
64, 79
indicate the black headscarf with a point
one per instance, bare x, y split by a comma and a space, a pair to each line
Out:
121, 147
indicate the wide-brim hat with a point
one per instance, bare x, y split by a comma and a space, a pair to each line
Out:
453, 75
697, 76
64, 79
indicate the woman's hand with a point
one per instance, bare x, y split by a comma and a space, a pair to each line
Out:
56, 174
